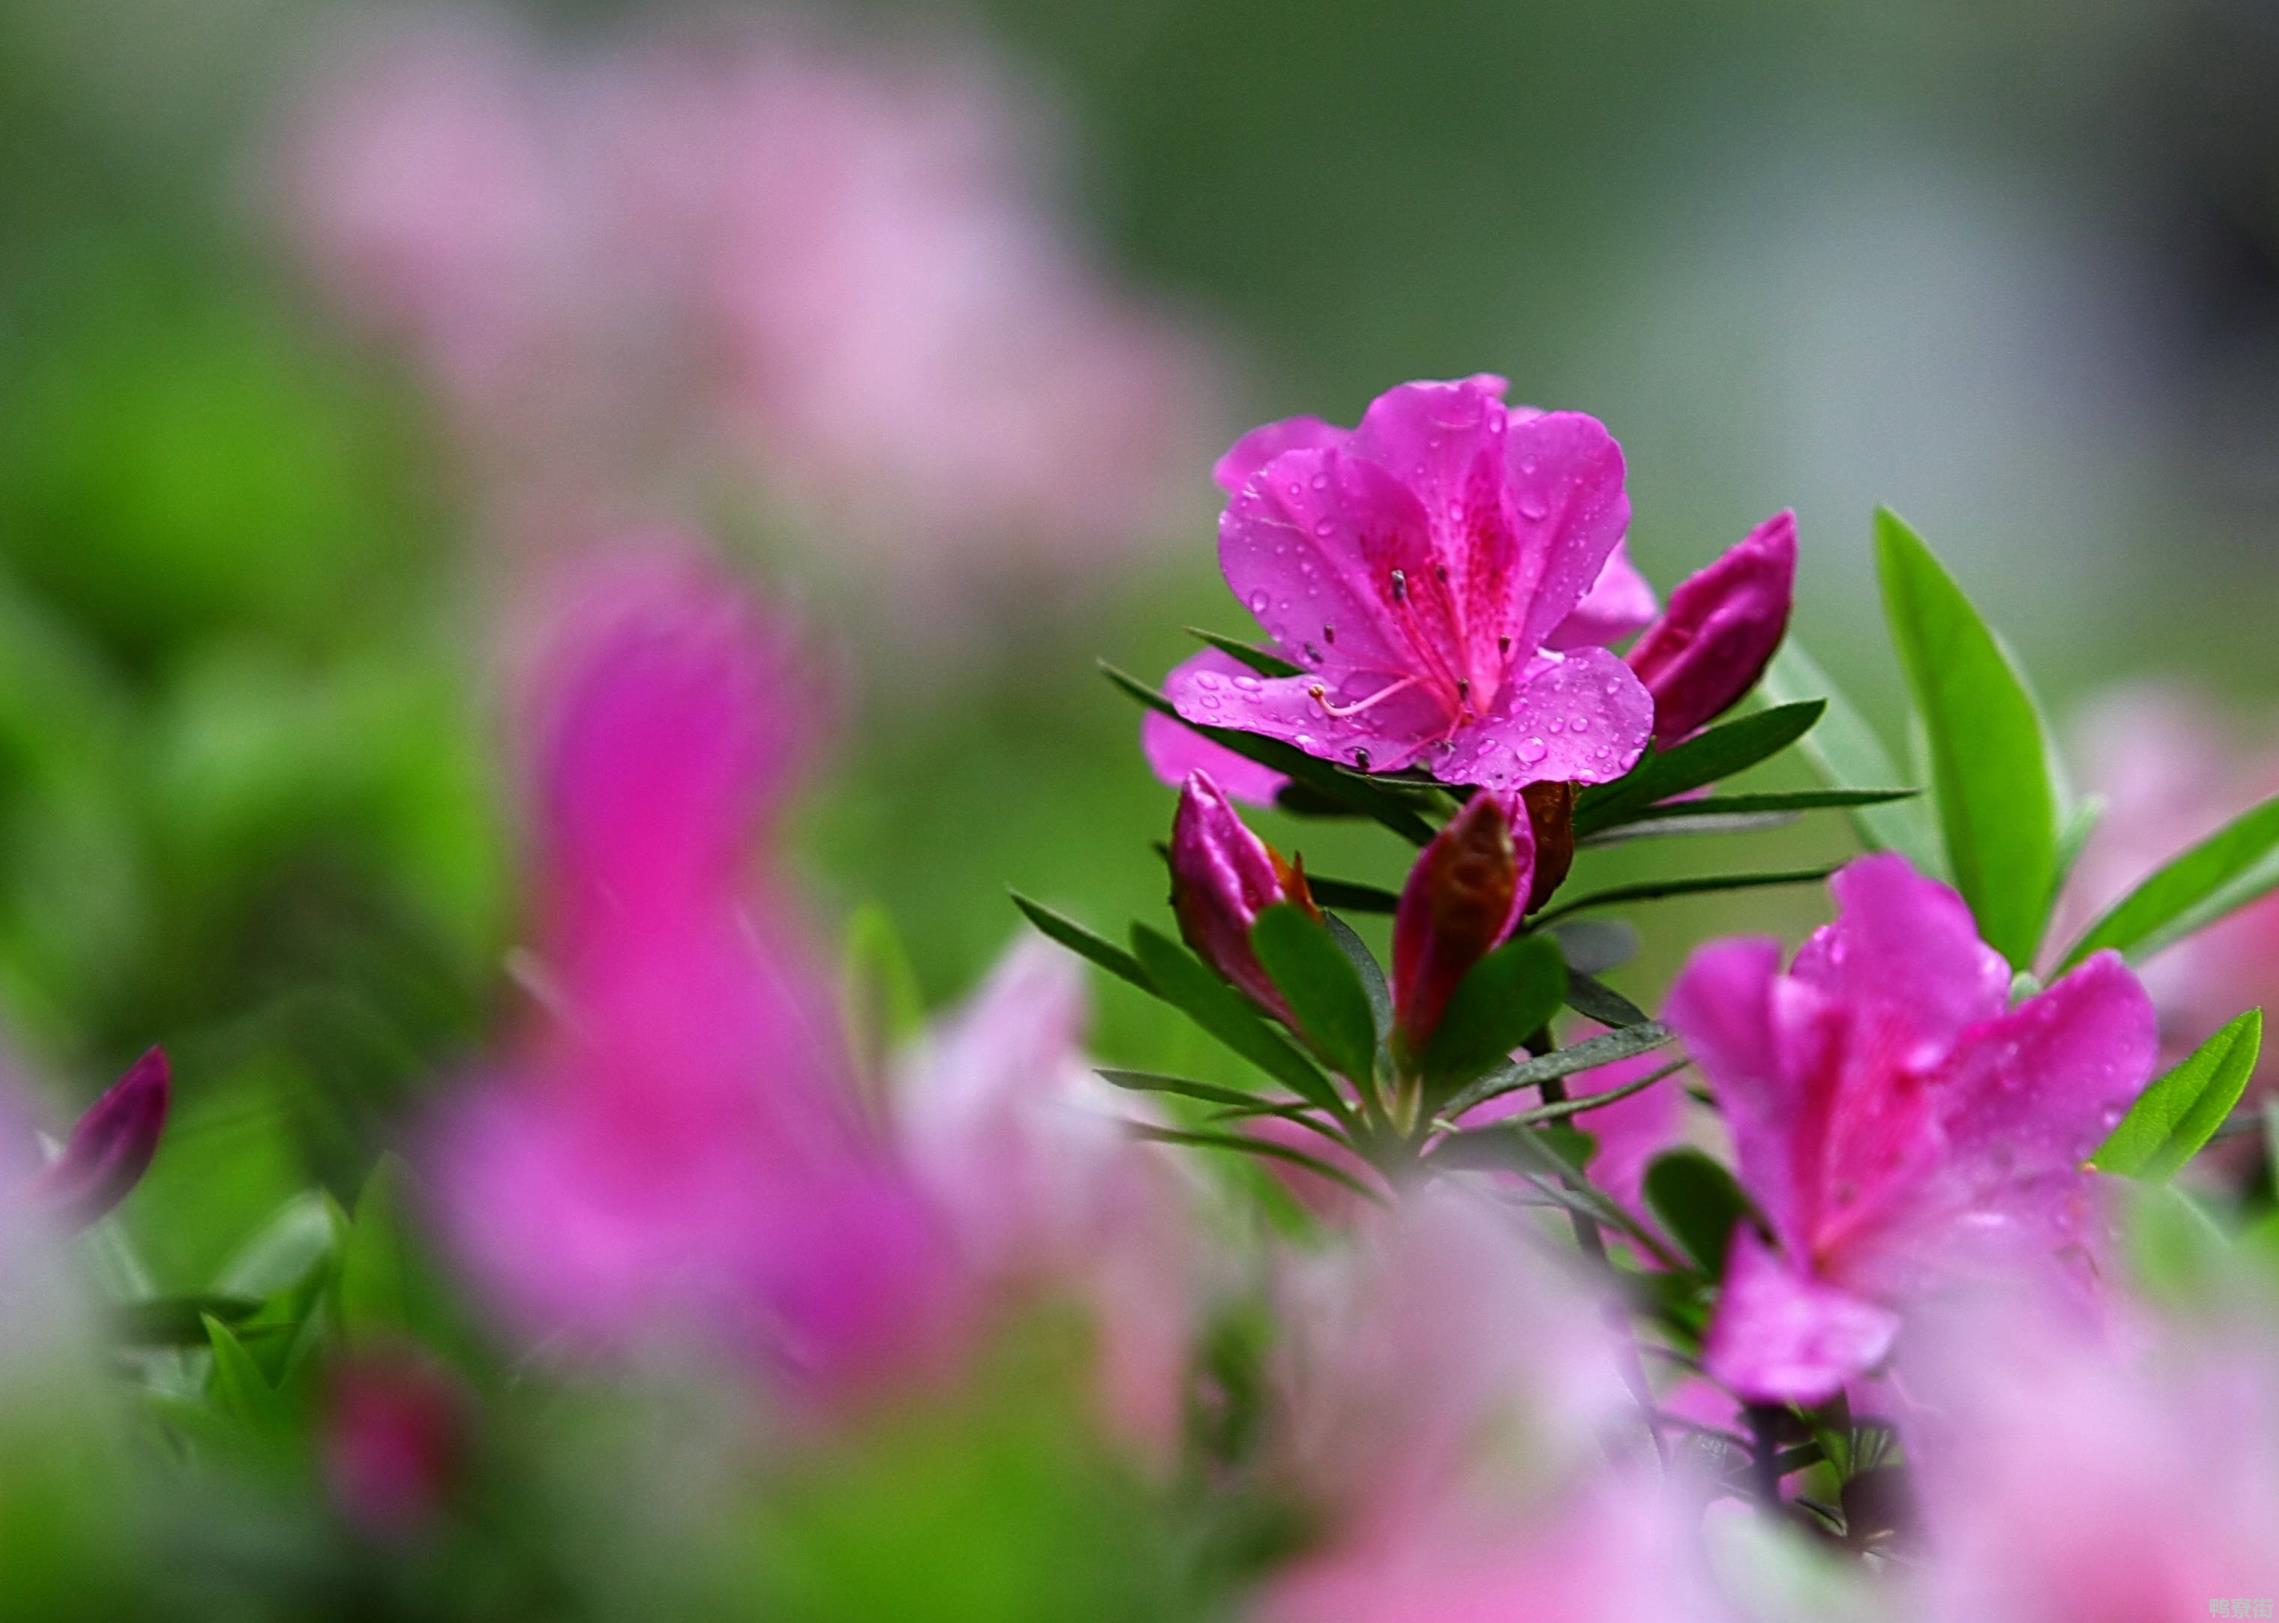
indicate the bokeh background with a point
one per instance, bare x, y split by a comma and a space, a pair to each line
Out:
327, 334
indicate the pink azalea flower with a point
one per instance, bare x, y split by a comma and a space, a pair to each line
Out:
673, 1143
1004, 1122
2066, 1480
1417, 569
1894, 1118
394, 1433
1173, 750
1448, 1392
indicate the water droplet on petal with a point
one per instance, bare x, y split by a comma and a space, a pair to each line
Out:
1533, 507
1531, 750
1258, 602
1248, 684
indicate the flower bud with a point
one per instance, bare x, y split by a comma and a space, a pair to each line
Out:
1551, 820
394, 1436
1222, 877
1462, 899
110, 1148
1721, 628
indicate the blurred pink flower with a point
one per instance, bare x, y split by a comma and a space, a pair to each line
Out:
1002, 1120
1417, 568
2063, 1479
673, 1142
746, 258
1893, 1116
2172, 768
394, 1435
1448, 1394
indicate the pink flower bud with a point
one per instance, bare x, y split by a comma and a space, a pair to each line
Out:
1720, 629
110, 1148
394, 1439
1222, 877
1463, 898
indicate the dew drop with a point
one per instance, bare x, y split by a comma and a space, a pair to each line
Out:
1531, 750
1207, 679
1248, 684
1533, 507
1582, 724
1257, 602
1322, 527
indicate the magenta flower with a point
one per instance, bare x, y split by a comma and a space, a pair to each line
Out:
1463, 897
1418, 569
109, 1149
1894, 1118
674, 1145
1173, 751
1721, 630
1222, 877
393, 1432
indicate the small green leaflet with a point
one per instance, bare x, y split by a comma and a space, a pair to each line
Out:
2182, 1110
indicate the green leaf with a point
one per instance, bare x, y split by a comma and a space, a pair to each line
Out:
1566, 1109
1589, 1054
1077, 939
1258, 659
1846, 752
1552, 1157
1595, 1000
1352, 898
2088, 812
1650, 890
2182, 1110
1771, 800
236, 1385
1699, 827
1989, 755
1181, 979
1388, 807
292, 1243
1320, 984
1250, 1104
1696, 1200
385, 1285
1705, 758
1506, 998
177, 1321
2227, 870
1265, 1149
1365, 965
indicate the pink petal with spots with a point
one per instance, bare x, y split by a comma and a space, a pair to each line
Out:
1584, 719
1269, 440
1568, 511
1173, 751
1619, 604
1309, 546
1908, 942
1393, 731
1781, 1336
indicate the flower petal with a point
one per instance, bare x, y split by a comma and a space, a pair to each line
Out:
1568, 509
1584, 719
1781, 1336
1722, 1006
1724, 624
1173, 751
1308, 546
110, 1147
1386, 736
1909, 943
1619, 604
1267, 441
2036, 1090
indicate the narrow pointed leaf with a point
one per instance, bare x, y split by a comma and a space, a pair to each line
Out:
2230, 868
1650, 890
1697, 1202
2181, 1111
1568, 1109
177, 1321
1705, 758
1387, 807
1182, 980
1077, 939
1700, 825
1589, 1054
1365, 965
1351, 897
1506, 998
236, 1386
1265, 1149
1771, 800
1258, 659
1595, 1000
1989, 754
1847, 754
1249, 1104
